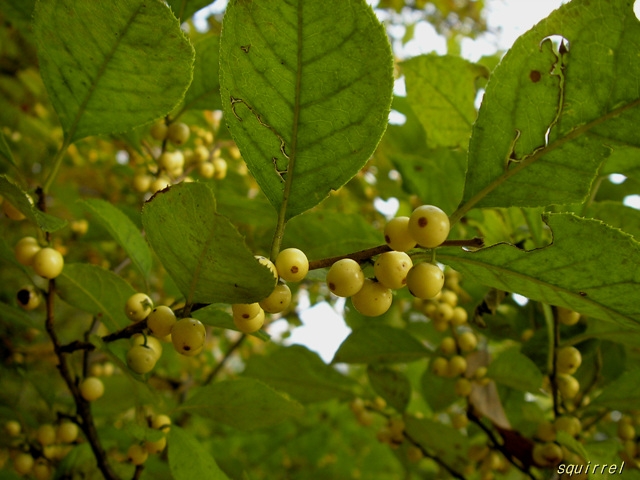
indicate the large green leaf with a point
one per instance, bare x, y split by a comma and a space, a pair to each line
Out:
202, 251
442, 441
123, 230
204, 91
549, 118
243, 403
617, 215
109, 68
5, 151
622, 394
589, 267
97, 291
306, 89
380, 344
515, 370
392, 385
325, 233
188, 459
442, 91
20, 199
302, 374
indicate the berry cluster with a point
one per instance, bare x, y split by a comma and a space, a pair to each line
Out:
37, 452
291, 265
138, 453
427, 227
172, 166
46, 262
186, 334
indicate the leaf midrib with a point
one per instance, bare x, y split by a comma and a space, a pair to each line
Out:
107, 59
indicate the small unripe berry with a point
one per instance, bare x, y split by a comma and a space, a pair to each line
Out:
250, 325
425, 280
220, 168
547, 454
440, 366
161, 320
157, 446
457, 366
391, 269
373, 299
46, 434
448, 345
91, 388
178, 133
568, 359
48, 263
28, 298
566, 316
397, 236
26, 249
12, 428
278, 300
345, 278
292, 264
161, 422
188, 336
467, 341
23, 462
138, 306
463, 387
568, 386
141, 359
67, 432
429, 226
137, 454
159, 130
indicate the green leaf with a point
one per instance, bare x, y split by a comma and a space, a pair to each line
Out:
391, 385
380, 344
537, 142
202, 251
110, 69
204, 91
621, 394
15, 316
188, 459
437, 391
214, 316
515, 370
325, 233
442, 91
302, 374
184, 9
566, 440
306, 89
439, 440
422, 173
123, 230
617, 215
5, 151
243, 403
97, 291
586, 268
23, 202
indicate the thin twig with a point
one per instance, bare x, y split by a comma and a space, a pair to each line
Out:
498, 445
366, 254
226, 357
82, 406
126, 332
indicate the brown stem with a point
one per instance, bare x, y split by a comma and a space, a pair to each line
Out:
366, 254
138, 473
83, 407
226, 357
498, 445
126, 332
435, 458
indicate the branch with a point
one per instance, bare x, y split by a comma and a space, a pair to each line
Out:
366, 254
226, 357
498, 446
83, 407
126, 332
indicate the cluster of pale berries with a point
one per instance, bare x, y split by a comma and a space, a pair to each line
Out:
292, 265
171, 165
427, 227
54, 442
46, 262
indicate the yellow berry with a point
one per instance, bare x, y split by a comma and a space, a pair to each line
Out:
292, 264
397, 236
429, 226
26, 249
372, 299
91, 388
48, 263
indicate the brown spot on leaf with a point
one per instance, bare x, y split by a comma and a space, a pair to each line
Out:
535, 76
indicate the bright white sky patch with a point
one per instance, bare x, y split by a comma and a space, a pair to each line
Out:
632, 201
